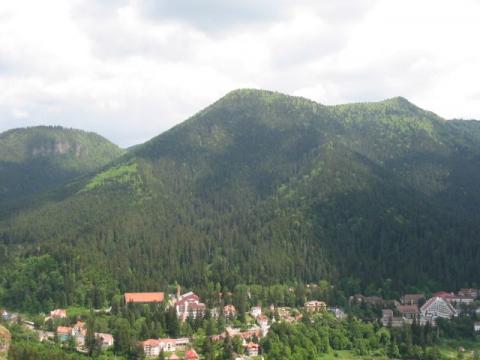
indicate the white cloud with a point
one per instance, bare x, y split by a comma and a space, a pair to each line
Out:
129, 69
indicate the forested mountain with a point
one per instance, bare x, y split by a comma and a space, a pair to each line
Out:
41, 158
262, 187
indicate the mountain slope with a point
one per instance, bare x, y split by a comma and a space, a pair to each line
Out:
41, 158
264, 187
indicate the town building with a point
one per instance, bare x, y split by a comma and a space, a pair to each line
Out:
387, 317
151, 347
437, 307
63, 333
457, 300
106, 340
252, 349
412, 299
469, 292
182, 343
256, 311
191, 355
371, 300
339, 313
262, 321
229, 311
189, 305
58, 314
409, 312
144, 297
79, 333
315, 306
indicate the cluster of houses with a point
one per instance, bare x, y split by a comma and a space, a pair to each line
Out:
410, 308
188, 306
417, 308
77, 332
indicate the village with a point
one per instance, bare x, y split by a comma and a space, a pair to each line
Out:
409, 309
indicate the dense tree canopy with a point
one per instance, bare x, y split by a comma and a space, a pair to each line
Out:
262, 188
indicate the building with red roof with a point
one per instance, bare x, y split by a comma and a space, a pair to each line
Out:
191, 355
437, 307
144, 297
252, 349
58, 314
189, 305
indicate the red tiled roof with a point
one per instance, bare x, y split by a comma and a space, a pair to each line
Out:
79, 325
443, 295
252, 345
58, 313
229, 308
64, 330
144, 297
191, 355
151, 342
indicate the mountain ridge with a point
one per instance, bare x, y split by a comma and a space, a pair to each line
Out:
40, 158
261, 187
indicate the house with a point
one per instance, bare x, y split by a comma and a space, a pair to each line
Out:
412, 299
315, 306
397, 322
63, 333
469, 292
214, 313
45, 335
256, 311
173, 357
229, 311
387, 317
371, 300
182, 343
167, 344
28, 324
409, 312
437, 307
191, 355
144, 297
106, 340
151, 347
252, 349
189, 305
339, 313
58, 314
79, 333
476, 326
262, 320
460, 299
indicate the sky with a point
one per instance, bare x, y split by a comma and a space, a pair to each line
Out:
131, 69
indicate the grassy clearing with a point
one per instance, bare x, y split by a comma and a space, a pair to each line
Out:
118, 174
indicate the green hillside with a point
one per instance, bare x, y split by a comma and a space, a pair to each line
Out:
41, 158
261, 187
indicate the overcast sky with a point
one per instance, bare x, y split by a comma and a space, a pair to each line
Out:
130, 69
